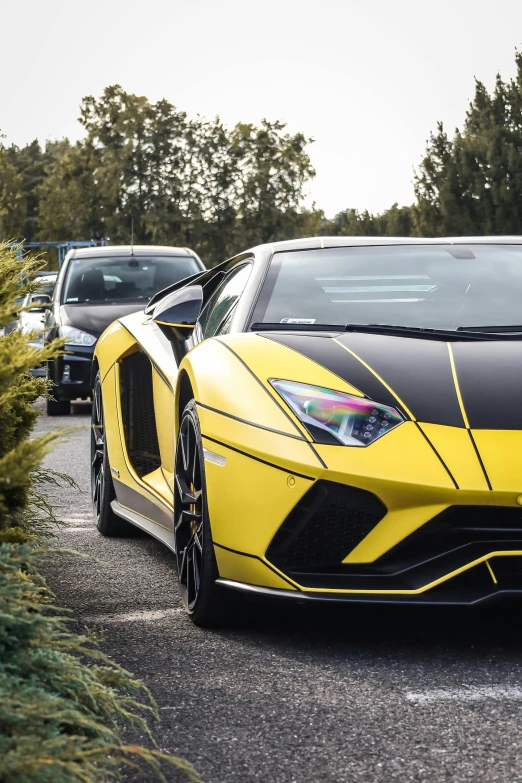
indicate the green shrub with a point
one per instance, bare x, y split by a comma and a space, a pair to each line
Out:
20, 458
65, 708
61, 720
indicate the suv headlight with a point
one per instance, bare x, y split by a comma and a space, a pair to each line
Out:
76, 336
336, 417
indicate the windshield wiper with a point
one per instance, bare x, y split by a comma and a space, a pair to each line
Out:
510, 329
278, 327
389, 329
423, 332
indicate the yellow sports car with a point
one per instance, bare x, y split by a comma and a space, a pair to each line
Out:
334, 419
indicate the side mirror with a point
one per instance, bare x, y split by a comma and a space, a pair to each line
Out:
176, 315
41, 301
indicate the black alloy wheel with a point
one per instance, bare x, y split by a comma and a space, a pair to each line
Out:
195, 558
102, 487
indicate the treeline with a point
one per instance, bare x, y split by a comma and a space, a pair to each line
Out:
196, 182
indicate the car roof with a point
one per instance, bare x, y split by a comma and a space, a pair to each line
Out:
317, 243
131, 250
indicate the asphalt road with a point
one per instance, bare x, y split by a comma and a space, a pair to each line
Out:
296, 695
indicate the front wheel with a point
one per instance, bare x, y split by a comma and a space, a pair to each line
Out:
196, 561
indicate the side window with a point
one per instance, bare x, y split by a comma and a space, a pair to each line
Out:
223, 300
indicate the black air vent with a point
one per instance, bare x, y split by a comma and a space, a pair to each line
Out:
329, 521
137, 411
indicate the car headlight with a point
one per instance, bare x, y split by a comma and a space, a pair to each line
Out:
76, 336
336, 417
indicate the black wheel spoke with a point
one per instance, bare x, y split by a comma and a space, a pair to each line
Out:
189, 507
197, 542
97, 451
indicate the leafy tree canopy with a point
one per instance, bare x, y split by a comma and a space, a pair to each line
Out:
195, 182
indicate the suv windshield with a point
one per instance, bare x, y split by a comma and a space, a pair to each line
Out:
123, 279
424, 286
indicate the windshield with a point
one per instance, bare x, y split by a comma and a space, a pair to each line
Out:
123, 279
423, 286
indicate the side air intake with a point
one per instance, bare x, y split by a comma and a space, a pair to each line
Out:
137, 412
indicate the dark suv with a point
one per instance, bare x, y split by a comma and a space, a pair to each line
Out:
95, 287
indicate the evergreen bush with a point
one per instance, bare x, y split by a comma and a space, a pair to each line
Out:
66, 709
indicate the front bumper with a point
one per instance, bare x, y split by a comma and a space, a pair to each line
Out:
71, 374
395, 526
458, 598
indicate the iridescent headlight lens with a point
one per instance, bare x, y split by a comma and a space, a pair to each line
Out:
332, 416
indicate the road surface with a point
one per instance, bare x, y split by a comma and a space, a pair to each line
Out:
299, 695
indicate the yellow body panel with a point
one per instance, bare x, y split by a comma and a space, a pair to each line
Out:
145, 332
248, 500
456, 449
232, 565
290, 453
402, 457
220, 380
501, 453
164, 409
158, 482
111, 420
114, 343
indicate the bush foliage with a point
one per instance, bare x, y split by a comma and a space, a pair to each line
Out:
66, 709
62, 719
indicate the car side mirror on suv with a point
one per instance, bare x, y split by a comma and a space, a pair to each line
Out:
177, 314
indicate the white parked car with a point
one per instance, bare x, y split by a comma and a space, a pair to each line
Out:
32, 314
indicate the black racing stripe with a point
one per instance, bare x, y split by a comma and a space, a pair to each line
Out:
336, 359
490, 380
418, 371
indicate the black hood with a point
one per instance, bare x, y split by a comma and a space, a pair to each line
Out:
416, 375
95, 318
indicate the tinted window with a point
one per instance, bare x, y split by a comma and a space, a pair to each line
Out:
442, 286
122, 279
223, 300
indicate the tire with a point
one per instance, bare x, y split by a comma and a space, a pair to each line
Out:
102, 486
58, 407
204, 602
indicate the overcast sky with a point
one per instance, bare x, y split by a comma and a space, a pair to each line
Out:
368, 79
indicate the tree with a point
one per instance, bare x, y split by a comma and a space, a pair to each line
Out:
12, 199
69, 199
472, 184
